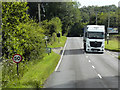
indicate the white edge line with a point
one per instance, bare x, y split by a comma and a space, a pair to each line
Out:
93, 66
89, 61
61, 57
100, 76
111, 54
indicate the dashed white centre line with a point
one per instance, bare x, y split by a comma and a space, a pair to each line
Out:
93, 66
89, 61
100, 76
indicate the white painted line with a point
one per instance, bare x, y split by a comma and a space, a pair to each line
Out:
93, 66
60, 58
89, 61
86, 56
100, 76
113, 55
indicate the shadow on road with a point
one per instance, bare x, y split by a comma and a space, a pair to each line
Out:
94, 53
107, 83
73, 52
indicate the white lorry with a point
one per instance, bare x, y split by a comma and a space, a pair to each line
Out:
94, 37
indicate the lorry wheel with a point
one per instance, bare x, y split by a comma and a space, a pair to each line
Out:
85, 47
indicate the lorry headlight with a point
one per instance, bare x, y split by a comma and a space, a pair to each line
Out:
88, 45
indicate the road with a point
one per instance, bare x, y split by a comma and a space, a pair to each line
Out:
84, 70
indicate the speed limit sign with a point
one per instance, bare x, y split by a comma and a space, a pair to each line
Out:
17, 58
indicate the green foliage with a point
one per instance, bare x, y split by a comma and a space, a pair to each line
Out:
119, 57
68, 13
13, 13
9, 71
32, 40
20, 35
102, 12
57, 24
37, 73
76, 30
113, 45
60, 42
52, 26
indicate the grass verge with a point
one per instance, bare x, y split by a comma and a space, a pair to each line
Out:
119, 57
38, 70
37, 73
112, 45
58, 43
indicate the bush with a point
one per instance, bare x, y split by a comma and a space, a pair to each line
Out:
52, 26
32, 40
13, 13
20, 35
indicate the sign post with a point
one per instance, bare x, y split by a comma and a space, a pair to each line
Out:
46, 37
17, 58
58, 35
108, 38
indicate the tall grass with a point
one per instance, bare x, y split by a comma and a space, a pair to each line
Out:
32, 74
60, 41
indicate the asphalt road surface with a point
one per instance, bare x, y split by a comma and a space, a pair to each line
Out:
84, 70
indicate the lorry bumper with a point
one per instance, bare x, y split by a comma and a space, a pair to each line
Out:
94, 50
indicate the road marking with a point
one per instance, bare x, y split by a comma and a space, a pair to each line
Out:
113, 55
60, 58
100, 76
89, 61
86, 56
93, 66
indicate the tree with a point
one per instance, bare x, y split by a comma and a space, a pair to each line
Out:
21, 35
103, 13
68, 12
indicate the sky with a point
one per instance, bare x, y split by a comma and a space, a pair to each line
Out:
97, 2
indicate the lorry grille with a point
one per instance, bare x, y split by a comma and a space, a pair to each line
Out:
95, 44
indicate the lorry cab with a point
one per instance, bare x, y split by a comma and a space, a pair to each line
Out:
94, 37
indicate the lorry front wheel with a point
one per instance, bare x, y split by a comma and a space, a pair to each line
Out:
85, 47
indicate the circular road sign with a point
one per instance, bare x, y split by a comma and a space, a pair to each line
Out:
17, 58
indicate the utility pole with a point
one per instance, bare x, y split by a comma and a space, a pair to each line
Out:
96, 18
108, 28
39, 13
108, 20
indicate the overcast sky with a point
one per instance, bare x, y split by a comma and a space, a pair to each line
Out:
98, 2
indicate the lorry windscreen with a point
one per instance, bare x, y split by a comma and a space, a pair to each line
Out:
95, 35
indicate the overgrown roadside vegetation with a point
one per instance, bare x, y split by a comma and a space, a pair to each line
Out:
23, 35
58, 43
37, 73
113, 44
32, 74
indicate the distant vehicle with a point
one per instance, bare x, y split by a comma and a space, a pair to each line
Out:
94, 37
